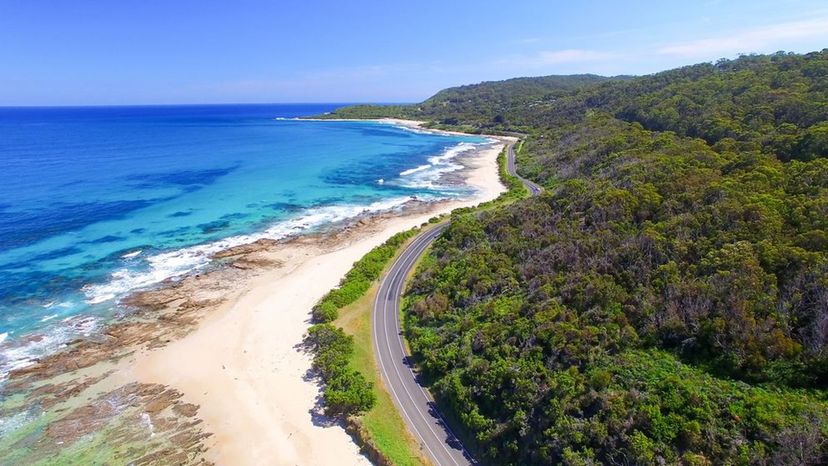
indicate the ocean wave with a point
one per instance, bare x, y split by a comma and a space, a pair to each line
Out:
132, 254
24, 352
428, 176
411, 171
410, 129
19, 353
179, 262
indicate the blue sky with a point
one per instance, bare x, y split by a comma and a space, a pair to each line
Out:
80, 52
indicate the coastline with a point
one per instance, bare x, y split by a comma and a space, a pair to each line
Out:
225, 342
410, 124
260, 406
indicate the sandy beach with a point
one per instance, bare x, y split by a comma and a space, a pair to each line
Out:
209, 367
242, 363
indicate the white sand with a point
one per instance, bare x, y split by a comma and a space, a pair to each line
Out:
242, 365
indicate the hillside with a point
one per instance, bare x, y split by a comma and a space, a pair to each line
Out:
666, 301
487, 105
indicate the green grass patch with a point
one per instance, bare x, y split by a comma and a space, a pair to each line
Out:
383, 422
343, 351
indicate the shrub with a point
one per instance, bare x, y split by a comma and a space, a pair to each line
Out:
359, 278
346, 391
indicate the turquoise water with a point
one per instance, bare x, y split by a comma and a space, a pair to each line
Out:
97, 202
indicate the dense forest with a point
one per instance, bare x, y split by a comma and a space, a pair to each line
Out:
665, 301
479, 106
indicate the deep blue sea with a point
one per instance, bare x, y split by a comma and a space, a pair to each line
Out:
98, 201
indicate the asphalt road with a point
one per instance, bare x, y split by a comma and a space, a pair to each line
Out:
511, 167
414, 403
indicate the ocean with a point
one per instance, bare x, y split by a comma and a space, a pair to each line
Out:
96, 202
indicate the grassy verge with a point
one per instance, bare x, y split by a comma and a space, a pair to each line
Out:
342, 343
514, 187
382, 423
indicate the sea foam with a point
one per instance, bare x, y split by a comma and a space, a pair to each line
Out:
166, 265
20, 354
179, 262
414, 170
428, 176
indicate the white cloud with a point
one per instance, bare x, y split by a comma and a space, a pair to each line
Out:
759, 39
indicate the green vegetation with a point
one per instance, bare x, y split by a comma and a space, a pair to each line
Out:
346, 391
479, 108
359, 278
666, 299
514, 188
382, 424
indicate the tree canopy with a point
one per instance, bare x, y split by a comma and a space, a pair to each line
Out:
666, 299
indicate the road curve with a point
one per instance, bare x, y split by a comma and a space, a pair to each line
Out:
414, 403
511, 167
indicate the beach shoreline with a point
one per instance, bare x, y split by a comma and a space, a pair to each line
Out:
410, 124
226, 341
260, 407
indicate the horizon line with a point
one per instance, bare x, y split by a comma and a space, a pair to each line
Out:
204, 104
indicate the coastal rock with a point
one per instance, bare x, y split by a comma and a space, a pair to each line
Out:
186, 409
142, 423
81, 421
153, 299
162, 401
50, 394
255, 261
258, 245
